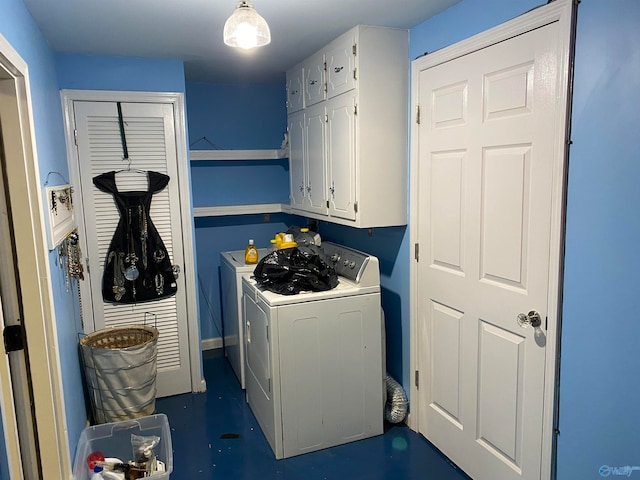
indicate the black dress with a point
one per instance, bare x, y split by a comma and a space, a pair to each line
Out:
137, 267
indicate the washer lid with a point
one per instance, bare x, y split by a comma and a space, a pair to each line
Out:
345, 288
235, 259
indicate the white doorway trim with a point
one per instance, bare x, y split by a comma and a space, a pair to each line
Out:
23, 179
9, 421
561, 11
177, 101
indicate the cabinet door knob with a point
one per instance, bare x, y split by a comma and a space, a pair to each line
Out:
337, 69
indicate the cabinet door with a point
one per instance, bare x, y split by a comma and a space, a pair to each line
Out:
294, 89
341, 59
341, 155
315, 154
313, 74
297, 170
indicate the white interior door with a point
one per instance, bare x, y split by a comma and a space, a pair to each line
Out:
487, 138
151, 142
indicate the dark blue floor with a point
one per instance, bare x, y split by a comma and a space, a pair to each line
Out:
216, 436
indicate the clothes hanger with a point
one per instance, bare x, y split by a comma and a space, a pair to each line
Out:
129, 169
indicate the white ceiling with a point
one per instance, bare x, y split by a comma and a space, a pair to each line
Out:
191, 30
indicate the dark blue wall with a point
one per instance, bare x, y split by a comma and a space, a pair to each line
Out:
238, 117
254, 117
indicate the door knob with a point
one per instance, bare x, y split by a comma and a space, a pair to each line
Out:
532, 318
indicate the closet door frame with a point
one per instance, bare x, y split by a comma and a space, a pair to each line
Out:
176, 99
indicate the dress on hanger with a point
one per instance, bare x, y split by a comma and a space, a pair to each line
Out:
137, 267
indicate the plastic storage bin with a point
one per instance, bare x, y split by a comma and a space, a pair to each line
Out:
114, 440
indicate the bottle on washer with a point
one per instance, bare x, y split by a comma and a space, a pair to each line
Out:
251, 253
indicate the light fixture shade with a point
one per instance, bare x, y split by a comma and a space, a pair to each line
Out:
245, 28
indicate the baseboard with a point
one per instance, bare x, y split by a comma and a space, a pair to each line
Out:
211, 343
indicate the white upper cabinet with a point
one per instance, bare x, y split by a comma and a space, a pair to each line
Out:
340, 57
314, 79
351, 167
295, 99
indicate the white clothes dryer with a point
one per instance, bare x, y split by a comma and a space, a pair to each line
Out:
232, 269
314, 372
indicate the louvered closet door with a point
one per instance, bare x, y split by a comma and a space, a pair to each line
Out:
151, 143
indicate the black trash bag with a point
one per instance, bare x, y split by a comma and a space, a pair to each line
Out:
293, 270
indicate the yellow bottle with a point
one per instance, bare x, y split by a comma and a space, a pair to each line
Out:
288, 242
251, 253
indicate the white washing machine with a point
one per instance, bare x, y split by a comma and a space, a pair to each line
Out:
314, 373
232, 268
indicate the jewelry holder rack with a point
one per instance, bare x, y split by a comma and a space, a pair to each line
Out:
60, 220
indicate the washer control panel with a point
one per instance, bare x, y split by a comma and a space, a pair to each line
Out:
349, 263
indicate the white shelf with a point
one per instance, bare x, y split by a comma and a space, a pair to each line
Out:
198, 155
241, 209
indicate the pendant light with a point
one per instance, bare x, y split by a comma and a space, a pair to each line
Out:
245, 28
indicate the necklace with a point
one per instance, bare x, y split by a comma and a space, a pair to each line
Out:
142, 218
132, 271
159, 281
118, 274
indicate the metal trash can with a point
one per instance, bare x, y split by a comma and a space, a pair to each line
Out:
120, 366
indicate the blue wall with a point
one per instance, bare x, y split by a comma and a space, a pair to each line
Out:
48, 73
243, 116
17, 26
88, 72
391, 246
236, 116
599, 417
83, 72
254, 117
599, 389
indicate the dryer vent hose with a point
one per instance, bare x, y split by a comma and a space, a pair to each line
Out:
395, 408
